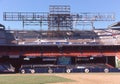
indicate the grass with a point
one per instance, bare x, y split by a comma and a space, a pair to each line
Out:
31, 79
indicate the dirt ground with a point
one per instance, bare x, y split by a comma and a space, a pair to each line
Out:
91, 78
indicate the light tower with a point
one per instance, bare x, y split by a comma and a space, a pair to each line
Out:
59, 18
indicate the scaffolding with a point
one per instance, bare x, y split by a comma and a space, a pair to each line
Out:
58, 18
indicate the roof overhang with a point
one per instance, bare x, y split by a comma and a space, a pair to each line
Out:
115, 26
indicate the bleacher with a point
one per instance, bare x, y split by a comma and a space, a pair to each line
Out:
35, 37
93, 65
3, 39
37, 68
43, 68
31, 37
6, 68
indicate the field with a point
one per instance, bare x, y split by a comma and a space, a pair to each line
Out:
61, 78
31, 79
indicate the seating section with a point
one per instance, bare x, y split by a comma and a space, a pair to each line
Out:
6, 68
43, 68
3, 39
92, 65
99, 67
29, 35
75, 37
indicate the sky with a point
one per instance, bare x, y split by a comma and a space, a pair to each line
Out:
77, 6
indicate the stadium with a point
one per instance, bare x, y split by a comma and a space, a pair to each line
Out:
59, 48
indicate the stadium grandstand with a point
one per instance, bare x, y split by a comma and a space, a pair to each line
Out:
60, 48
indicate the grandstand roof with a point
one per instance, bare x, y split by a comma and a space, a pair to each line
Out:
115, 25
2, 26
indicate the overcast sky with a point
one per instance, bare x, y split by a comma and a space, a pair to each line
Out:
77, 6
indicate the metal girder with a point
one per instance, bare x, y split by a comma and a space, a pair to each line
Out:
58, 18
44, 16
25, 16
